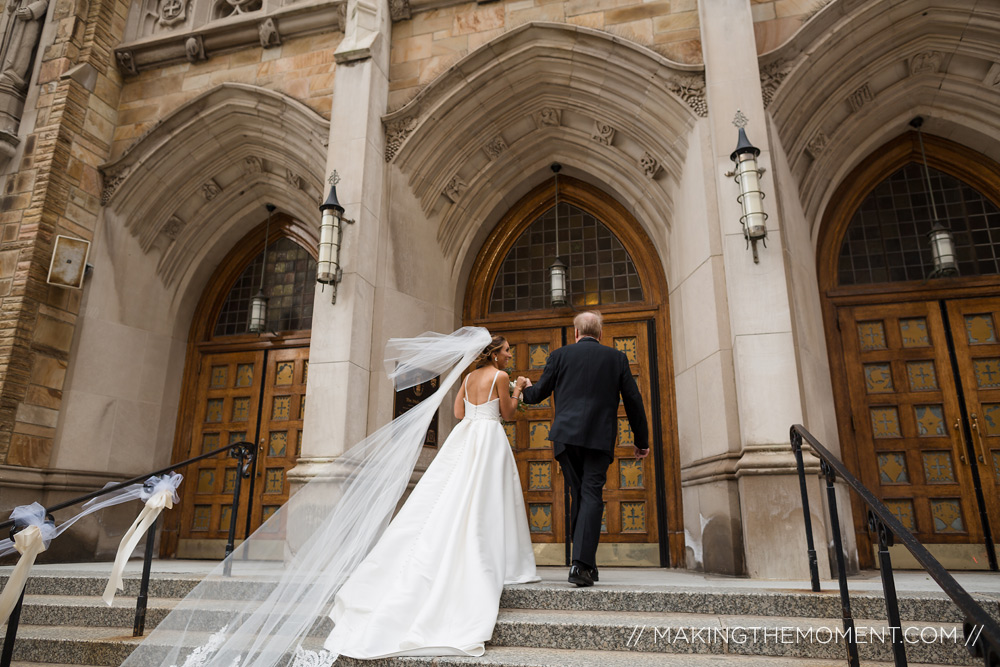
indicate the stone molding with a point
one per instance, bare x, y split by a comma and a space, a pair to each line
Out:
266, 27
849, 89
399, 10
192, 159
58, 480
446, 130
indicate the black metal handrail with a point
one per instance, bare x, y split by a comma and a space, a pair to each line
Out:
243, 451
982, 633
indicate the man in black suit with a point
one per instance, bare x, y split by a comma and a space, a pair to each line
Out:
587, 379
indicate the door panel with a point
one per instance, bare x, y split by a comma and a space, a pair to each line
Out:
907, 420
975, 326
629, 533
232, 389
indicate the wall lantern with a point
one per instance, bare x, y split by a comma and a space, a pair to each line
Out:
258, 305
747, 175
940, 238
557, 271
328, 271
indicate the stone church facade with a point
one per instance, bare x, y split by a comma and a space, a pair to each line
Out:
159, 131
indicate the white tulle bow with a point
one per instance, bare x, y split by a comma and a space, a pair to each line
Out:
158, 493
29, 542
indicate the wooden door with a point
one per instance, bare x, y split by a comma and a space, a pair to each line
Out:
906, 418
541, 478
257, 396
629, 529
975, 330
280, 440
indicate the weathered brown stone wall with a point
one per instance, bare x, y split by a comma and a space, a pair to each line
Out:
432, 41
775, 21
55, 190
301, 68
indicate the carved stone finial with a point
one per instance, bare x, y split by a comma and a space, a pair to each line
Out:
268, 32
603, 133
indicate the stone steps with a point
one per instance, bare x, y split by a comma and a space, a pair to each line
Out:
65, 622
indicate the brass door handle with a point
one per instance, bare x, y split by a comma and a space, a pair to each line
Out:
961, 441
978, 438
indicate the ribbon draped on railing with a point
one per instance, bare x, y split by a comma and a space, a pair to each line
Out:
31, 540
158, 493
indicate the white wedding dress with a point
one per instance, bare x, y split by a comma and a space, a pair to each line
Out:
431, 585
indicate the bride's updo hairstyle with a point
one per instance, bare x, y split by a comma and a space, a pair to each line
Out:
486, 356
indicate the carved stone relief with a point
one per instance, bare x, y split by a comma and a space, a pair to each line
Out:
817, 144
226, 8
173, 228
691, 89
549, 117
172, 12
860, 97
771, 77
456, 186
253, 165
396, 133
293, 179
111, 184
496, 147
194, 48
22, 26
399, 10
603, 133
126, 63
650, 165
927, 62
269, 36
211, 190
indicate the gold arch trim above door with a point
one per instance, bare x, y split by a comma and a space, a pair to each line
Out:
912, 379
641, 329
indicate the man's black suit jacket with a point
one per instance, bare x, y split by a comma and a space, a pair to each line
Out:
587, 379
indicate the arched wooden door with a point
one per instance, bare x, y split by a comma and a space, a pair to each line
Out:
915, 358
611, 268
243, 386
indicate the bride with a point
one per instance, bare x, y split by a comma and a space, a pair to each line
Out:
426, 583
432, 583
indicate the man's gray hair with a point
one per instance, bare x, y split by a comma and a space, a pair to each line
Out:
588, 323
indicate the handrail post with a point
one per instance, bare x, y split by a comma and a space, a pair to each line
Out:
139, 626
845, 595
244, 456
885, 540
15, 616
813, 561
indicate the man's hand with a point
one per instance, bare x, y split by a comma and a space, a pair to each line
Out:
640, 453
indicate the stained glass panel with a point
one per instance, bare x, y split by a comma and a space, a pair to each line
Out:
289, 284
209, 442
987, 373
630, 474
206, 481
892, 468
628, 345
281, 408
600, 270
275, 480
241, 409
886, 240
538, 435
903, 509
872, 336
219, 375
913, 332
930, 420
224, 518
278, 441
202, 517
938, 468
283, 373
213, 410
878, 378
625, 436
229, 484
540, 476
921, 375
980, 329
244, 375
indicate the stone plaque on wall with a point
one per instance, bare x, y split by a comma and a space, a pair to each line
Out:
411, 397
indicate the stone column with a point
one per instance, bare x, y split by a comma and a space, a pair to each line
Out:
766, 367
340, 351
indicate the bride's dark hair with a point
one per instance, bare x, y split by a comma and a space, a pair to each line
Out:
487, 354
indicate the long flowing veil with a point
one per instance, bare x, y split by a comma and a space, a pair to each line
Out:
286, 574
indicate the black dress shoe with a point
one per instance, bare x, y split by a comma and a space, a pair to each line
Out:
580, 576
593, 574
